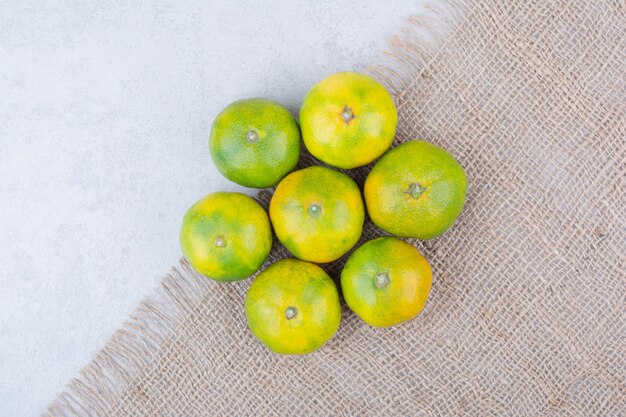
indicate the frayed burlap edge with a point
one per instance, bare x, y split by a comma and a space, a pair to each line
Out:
133, 347
418, 43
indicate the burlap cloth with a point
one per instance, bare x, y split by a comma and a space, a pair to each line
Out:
526, 314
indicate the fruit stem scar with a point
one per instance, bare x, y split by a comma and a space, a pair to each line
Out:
382, 280
290, 312
252, 136
415, 190
220, 242
315, 210
347, 115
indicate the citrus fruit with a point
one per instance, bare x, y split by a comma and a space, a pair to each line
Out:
317, 213
415, 190
293, 307
255, 142
386, 282
226, 236
348, 120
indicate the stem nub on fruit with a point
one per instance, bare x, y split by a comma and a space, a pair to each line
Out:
220, 242
415, 190
252, 136
382, 280
347, 115
315, 210
291, 312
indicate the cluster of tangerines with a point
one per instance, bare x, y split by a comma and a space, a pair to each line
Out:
347, 120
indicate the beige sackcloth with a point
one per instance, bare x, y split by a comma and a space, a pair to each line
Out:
527, 311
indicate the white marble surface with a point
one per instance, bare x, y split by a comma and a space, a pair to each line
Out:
104, 117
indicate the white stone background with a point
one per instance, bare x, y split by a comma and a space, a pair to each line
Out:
105, 109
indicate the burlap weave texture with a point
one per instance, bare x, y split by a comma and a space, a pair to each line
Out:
526, 315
